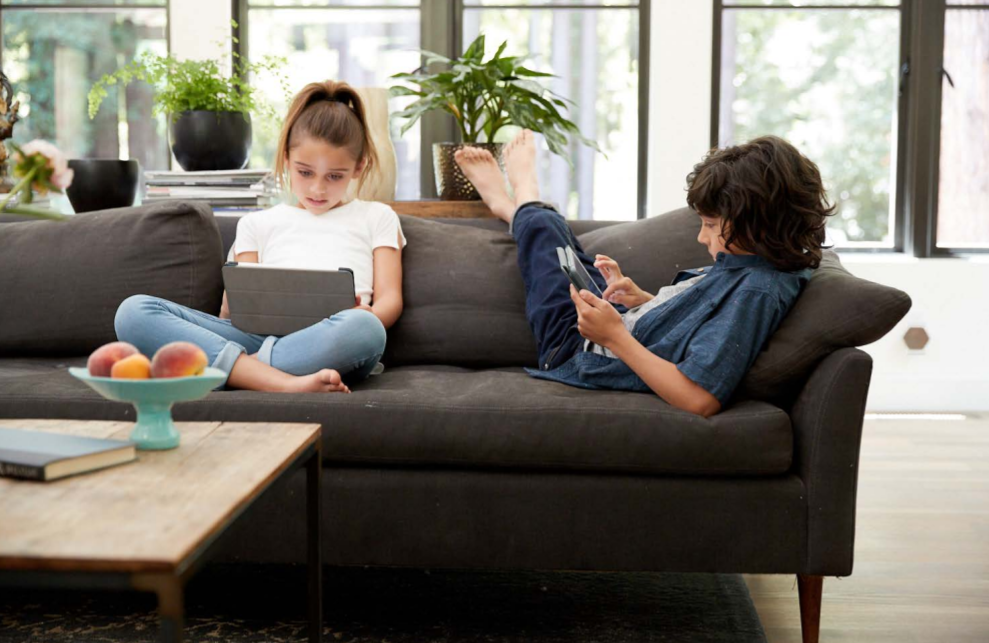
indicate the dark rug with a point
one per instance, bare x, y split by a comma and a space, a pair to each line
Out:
241, 604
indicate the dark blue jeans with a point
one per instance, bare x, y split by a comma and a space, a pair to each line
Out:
538, 230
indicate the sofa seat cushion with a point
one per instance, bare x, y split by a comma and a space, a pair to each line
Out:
445, 416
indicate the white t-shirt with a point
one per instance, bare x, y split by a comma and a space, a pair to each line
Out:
345, 237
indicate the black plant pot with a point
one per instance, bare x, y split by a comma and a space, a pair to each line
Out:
204, 140
100, 184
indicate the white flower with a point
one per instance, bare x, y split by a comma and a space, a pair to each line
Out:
59, 165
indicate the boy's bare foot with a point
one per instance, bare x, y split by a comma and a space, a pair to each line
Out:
520, 165
324, 381
482, 170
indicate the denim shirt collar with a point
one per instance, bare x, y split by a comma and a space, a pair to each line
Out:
731, 262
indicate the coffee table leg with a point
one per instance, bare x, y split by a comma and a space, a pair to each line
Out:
171, 603
315, 559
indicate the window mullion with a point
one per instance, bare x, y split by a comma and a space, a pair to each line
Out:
441, 24
923, 89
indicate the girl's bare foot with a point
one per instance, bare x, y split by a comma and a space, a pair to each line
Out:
250, 373
520, 165
482, 170
324, 381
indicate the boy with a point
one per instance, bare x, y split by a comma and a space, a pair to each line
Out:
763, 211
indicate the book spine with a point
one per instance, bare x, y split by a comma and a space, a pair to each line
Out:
21, 471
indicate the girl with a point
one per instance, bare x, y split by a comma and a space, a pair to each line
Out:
323, 146
763, 210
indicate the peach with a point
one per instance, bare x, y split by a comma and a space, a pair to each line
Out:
135, 367
178, 359
103, 358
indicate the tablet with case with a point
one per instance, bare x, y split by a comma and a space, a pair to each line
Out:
280, 301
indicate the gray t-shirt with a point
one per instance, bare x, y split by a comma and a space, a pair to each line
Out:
633, 315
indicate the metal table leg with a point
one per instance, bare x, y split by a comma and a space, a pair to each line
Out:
314, 558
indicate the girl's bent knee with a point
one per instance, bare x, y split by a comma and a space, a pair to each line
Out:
364, 328
129, 312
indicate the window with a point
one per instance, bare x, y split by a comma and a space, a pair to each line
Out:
53, 51
826, 80
594, 49
595, 46
888, 97
361, 42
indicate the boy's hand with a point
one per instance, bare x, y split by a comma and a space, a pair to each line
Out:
358, 304
625, 292
621, 289
608, 267
597, 320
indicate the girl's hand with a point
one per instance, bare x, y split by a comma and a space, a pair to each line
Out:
624, 291
608, 267
597, 320
358, 304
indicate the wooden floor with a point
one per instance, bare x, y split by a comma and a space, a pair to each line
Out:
921, 548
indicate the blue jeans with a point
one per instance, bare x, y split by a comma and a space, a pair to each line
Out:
538, 230
351, 342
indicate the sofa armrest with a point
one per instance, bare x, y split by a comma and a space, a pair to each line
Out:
827, 431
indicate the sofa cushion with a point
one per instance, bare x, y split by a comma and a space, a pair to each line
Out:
444, 416
835, 310
62, 281
462, 277
464, 299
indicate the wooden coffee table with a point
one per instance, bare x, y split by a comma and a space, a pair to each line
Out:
151, 524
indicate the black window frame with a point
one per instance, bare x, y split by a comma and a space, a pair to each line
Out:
441, 31
918, 117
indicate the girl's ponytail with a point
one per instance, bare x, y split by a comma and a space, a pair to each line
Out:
332, 112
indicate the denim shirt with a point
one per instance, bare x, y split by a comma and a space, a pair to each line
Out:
712, 332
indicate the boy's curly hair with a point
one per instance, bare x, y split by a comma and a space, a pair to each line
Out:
771, 198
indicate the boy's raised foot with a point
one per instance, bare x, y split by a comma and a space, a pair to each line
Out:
482, 170
520, 166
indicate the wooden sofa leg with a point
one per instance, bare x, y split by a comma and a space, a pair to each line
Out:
810, 589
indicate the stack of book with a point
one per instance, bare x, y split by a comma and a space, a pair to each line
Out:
221, 189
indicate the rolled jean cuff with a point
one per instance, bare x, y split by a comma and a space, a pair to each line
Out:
527, 204
226, 358
264, 353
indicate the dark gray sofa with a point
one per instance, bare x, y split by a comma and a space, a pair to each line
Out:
454, 457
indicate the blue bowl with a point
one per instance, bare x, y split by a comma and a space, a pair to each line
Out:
153, 399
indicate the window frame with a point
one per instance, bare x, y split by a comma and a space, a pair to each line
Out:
441, 31
918, 118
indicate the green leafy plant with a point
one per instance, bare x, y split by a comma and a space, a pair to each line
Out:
487, 95
189, 85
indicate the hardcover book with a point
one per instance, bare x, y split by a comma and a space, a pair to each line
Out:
37, 455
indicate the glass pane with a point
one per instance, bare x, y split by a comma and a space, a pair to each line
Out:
362, 47
595, 53
963, 192
88, 3
53, 57
811, 3
590, 3
826, 81
325, 4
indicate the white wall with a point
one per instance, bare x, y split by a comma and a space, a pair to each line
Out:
951, 296
679, 97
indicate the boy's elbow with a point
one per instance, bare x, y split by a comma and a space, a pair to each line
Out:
704, 404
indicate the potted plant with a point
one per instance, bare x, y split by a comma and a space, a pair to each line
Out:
209, 113
484, 96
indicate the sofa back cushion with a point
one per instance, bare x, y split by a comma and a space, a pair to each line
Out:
63, 280
464, 297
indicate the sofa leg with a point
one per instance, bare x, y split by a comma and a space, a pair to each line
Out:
810, 589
